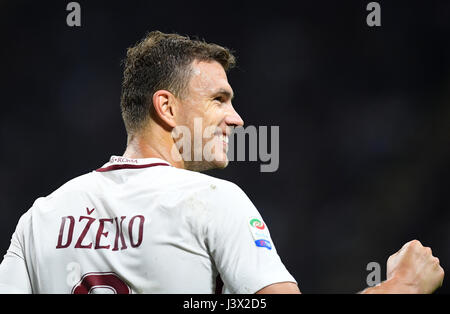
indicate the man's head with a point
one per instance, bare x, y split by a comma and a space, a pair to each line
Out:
179, 83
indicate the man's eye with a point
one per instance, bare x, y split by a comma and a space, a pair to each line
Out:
218, 99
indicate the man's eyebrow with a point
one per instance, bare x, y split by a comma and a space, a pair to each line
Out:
224, 92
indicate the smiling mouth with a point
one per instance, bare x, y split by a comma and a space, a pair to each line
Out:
223, 138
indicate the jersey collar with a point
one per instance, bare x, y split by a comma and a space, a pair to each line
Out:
118, 162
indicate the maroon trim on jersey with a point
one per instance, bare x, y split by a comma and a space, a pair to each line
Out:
125, 166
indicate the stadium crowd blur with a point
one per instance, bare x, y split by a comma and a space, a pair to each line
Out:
364, 117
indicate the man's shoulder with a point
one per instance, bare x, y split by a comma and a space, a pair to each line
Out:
201, 181
217, 194
83, 182
75, 187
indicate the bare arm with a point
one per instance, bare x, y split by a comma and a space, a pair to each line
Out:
413, 269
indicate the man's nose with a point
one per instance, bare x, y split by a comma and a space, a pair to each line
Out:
233, 118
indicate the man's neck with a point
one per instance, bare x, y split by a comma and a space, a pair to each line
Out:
152, 146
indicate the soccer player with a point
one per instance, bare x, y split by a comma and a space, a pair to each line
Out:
149, 221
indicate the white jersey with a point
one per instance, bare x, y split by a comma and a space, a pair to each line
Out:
142, 226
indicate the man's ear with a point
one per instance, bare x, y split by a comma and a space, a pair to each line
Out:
164, 103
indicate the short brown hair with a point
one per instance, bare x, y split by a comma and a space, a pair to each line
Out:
162, 61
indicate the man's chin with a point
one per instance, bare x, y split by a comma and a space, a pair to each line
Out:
204, 165
222, 164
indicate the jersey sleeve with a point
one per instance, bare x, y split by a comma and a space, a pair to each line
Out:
239, 241
13, 271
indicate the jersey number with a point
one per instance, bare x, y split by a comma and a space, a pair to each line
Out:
110, 282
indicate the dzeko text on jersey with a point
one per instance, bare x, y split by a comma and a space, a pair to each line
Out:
85, 225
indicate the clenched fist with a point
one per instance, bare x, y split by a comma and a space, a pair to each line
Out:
415, 269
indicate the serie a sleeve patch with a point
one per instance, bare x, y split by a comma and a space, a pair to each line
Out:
260, 233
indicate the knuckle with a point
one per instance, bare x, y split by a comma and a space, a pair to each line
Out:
418, 243
415, 243
413, 246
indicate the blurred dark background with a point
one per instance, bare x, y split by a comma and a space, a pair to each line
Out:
364, 116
